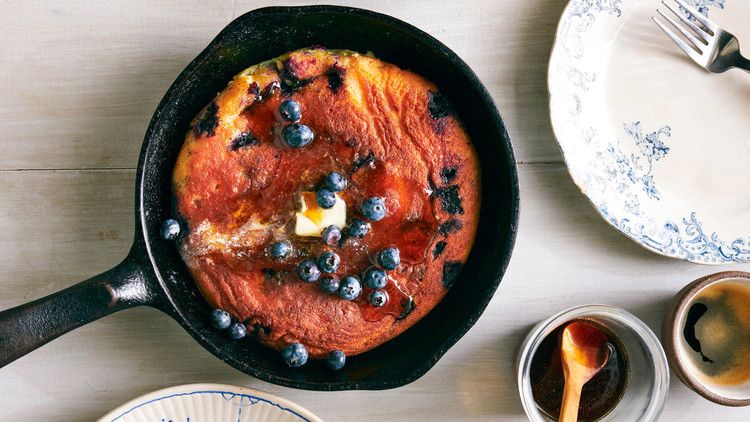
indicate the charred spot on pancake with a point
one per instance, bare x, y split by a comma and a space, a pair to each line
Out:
439, 126
450, 226
208, 121
439, 248
291, 69
260, 96
269, 272
289, 74
254, 89
257, 330
438, 105
451, 269
335, 75
273, 275
448, 174
244, 139
270, 89
450, 199
367, 160
407, 304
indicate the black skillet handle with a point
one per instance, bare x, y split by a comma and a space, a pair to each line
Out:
30, 326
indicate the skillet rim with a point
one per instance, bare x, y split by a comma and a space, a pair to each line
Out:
169, 305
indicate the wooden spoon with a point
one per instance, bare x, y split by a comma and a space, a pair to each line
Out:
585, 351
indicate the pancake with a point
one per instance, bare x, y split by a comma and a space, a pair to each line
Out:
238, 188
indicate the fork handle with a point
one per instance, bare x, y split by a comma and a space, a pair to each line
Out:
743, 63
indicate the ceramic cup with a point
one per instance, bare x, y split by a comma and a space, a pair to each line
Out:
682, 357
648, 371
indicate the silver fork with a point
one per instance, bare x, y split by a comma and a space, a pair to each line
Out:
713, 48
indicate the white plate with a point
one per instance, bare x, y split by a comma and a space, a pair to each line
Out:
209, 402
660, 146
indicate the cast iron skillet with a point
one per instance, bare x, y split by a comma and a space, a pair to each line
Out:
154, 275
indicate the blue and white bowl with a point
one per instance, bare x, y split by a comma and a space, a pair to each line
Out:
209, 402
660, 146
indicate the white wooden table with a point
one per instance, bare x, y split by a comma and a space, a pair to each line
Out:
79, 81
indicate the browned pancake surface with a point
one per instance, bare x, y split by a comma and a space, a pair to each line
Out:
390, 133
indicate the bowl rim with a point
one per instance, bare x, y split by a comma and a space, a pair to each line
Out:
671, 336
184, 389
644, 332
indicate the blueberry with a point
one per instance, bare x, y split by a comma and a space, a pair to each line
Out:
325, 198
373, 208
358, 228
280, 250
290, 110
331, 235
170, 229
335, 182
375, 278
294, 355
389, 258
220, 319
329, 262
308, 271
297, 135
237, 331
350, 288
378, 298
336, 360
329, 284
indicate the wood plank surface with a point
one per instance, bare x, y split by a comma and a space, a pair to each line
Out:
63, 226
81, 80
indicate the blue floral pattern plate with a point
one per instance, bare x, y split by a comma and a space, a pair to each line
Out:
209, 402
658, 145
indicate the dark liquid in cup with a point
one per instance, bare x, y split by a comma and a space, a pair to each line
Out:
717, 329
599, 396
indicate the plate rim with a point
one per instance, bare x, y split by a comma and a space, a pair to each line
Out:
182, 389
557, 132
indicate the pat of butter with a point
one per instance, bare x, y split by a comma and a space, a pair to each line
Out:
312, 219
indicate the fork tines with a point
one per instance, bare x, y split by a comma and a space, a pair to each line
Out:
698, 36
